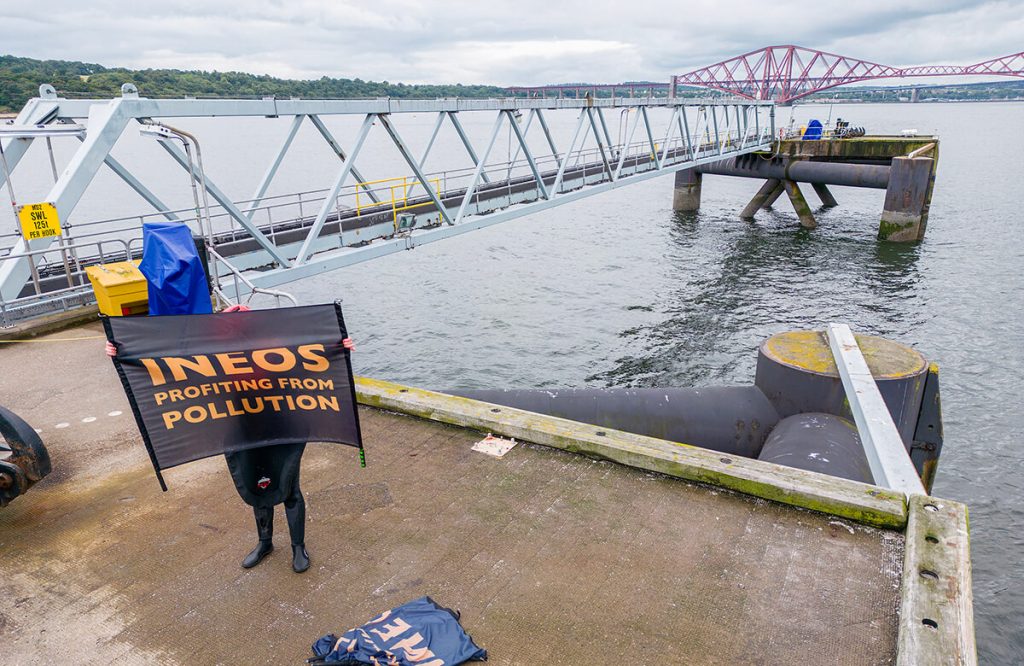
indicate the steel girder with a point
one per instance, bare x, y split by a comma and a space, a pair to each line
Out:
108, 118
787, 73
783, 73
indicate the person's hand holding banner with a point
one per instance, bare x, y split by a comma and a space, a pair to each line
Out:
203, 385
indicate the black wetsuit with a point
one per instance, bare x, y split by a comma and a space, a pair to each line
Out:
267, 476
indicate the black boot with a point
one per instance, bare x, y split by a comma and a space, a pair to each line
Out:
265, 529
262, 549
295, 511
300, 558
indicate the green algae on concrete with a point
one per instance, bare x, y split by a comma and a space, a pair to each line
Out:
859, 502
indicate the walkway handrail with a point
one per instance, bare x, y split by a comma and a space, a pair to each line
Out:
253, 289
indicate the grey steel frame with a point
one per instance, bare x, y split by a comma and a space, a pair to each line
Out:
107, 119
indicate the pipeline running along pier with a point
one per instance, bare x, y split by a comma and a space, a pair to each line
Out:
264, 241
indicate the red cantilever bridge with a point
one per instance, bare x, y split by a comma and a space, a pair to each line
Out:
787, 73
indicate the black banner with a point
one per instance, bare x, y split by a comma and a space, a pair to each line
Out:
204, 385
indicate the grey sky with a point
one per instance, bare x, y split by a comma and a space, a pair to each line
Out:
519, 42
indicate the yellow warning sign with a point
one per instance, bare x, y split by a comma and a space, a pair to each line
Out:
39, 220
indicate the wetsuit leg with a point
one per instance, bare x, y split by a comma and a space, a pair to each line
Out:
265, 522
295, 511
265, 530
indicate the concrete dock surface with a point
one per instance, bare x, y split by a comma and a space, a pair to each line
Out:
551, 557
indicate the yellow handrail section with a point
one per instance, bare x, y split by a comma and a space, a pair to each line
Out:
399, 202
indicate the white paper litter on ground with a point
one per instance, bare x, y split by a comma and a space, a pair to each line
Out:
494, 446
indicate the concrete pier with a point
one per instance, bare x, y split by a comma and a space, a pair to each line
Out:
597, 559
903, 166
907, 199
687, 191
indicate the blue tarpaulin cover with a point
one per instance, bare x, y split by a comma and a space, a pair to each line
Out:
814, 131
173, 269
418, 633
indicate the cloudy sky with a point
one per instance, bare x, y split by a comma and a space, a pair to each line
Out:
504, 43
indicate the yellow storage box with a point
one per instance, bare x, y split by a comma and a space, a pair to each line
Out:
120, 288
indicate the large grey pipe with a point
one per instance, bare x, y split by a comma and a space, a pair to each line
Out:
729, 419
818, 443
803, 171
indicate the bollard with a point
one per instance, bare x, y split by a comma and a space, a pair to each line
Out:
798, 374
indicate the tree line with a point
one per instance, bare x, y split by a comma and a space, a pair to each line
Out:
20, 79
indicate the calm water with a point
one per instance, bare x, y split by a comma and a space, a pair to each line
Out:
617, 290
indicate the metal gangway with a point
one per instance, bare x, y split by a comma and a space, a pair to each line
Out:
262, 241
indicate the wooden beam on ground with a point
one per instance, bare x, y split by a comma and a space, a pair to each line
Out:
862, 503
936, 603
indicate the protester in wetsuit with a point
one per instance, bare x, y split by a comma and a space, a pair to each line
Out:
265, 477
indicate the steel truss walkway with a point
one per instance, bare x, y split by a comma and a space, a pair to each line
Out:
273, 240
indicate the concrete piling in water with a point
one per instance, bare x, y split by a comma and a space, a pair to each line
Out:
767, 190
907, 199
803, 210
827, 200
687, 191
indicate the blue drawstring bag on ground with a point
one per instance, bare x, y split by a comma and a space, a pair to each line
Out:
419, 633
174, 271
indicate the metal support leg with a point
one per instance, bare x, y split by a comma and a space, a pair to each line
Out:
767, 189
479, 170
773, 197
600, 144
225, 202
411, 161
547, 135
328, 204
261, 189
465, 142
650, 138
336, 147
529, 156
106, 123
625, 149
142, 190
668, 135
426, 151
827, 200
803, 211
684, 127
556, 188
